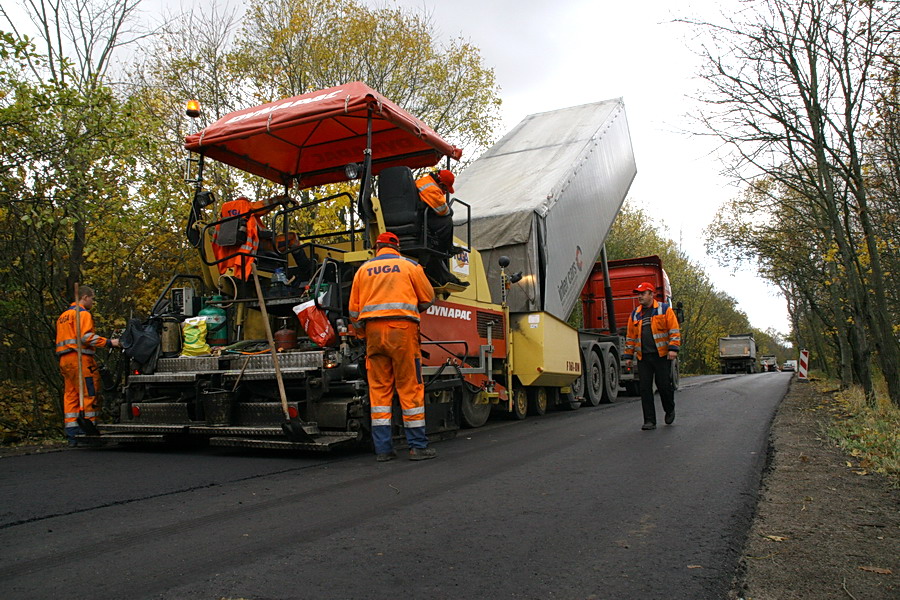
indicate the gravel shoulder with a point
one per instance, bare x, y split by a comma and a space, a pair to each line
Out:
824, 527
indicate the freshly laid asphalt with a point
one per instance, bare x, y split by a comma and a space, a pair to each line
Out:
574, 505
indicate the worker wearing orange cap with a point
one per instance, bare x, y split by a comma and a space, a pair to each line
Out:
654, 335
387, 295
433, 190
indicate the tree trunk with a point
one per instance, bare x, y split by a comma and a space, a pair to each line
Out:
834, 209
887, 350
76, 259
845, 358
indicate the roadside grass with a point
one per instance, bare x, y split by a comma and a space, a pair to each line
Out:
871, 435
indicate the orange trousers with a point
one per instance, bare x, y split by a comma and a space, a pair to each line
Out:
394, 364
68, 366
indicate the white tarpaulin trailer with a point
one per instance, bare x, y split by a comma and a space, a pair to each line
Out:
546, 196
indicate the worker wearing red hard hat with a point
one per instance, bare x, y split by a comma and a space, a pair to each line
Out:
433, 190
387, 295
654, 335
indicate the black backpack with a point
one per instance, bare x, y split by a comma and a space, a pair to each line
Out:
141, 343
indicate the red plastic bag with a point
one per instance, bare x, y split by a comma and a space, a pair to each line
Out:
316, 324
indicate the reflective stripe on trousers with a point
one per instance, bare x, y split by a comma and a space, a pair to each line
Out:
394, 365
68, 366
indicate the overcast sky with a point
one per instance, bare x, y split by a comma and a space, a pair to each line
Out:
554, 54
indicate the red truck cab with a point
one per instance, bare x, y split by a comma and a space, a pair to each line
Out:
624, 276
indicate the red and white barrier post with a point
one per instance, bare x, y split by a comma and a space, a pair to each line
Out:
803, 366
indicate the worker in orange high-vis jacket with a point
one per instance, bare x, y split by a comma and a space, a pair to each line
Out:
241, 235
387, 295
433, 189
67, 339
653, 335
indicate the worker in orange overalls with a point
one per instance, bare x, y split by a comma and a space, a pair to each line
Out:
433, 189
244, 233
67, 339
654, 335
388, 293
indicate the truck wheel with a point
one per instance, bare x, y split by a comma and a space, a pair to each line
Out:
578, 387
593, 381
473, 414
578, 384
520, 403
610, 378
537, 401
569, 401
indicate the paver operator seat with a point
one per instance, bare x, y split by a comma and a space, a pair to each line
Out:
405, 214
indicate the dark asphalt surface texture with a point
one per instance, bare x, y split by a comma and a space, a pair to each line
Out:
574, 505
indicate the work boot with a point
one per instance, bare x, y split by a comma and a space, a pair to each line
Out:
440, 275
670, 417
435, 275
71, 436
456, 281
448, 277
386, 456
421, 453
648, 425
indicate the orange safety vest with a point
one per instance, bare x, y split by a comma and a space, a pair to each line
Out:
389, 286
67, 337
430, 193
663, 324
241, 263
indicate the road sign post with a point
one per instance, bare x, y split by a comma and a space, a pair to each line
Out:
803, 366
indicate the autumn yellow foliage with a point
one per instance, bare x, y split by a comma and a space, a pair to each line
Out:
27, 414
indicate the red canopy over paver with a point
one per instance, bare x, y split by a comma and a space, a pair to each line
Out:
309, 139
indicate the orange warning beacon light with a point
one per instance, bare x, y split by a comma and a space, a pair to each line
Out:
192, 109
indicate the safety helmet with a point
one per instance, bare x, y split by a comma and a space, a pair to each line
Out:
447, 178
644, 286
388, 239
